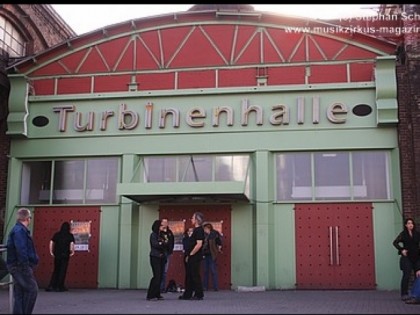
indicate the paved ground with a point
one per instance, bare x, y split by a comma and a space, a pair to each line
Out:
101, 301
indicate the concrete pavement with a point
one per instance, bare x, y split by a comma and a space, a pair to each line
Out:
110, 301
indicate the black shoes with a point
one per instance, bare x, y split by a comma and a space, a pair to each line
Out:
194, 298
51, 289
412, 301
159, 298
181, 297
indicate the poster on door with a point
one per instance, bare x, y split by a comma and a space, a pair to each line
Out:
81, 232
178, 228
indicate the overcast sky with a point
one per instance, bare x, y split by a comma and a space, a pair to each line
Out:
84, 18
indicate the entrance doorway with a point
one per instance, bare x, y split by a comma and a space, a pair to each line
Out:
179, 220
334, 246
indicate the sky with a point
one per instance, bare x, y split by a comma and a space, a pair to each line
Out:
84, 18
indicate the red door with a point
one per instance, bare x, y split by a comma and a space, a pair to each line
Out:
83, 266
179, 219
334, 246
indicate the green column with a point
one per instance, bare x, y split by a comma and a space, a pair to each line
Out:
264, 191
127, 259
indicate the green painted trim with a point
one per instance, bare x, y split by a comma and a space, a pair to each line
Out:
386, 91
176, 189
18, 107
209, 91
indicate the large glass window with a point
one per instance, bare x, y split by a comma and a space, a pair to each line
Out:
36, 182
101, 181
360, 175
74, 181
68, 181
196, 168
332, 175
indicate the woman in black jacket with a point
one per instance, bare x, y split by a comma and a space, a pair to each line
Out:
157, 260
408, 244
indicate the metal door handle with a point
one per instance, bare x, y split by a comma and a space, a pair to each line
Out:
330, 230
337, 250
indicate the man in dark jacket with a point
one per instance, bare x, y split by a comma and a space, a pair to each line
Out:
21, 259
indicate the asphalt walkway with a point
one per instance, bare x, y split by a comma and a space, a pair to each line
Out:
104, 301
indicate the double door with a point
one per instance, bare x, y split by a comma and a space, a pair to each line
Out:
334, 246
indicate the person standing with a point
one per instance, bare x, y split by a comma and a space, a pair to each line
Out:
21, 260
186, 250
407, 243
211, 248
193, 258
169, 237
157, 260
61, 248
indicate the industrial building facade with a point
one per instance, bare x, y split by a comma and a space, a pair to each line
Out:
284, 137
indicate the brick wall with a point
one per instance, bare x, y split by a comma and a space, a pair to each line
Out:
408, 81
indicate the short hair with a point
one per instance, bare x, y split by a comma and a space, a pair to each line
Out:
23, 214
208, 225
199, 217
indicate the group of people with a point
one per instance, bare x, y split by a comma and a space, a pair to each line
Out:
407, 243
200, 242
22, 258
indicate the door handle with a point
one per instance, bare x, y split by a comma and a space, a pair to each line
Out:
330, 232
337, 249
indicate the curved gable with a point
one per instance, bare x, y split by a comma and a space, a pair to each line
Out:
204, 50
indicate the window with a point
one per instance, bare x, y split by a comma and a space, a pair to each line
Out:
360, 175
195, 168
74, 181
11, 40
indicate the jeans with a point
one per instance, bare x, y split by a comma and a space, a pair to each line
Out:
210, 267
25, 289
165, 271
407, 267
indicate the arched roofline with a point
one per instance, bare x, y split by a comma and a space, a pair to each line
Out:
190, 18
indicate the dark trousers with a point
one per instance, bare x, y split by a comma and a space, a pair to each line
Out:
194, 286
210, 268
185, 273
58, 276
25, 289
407, 268
3, 268
157, 264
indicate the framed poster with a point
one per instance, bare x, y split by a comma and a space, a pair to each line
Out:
178, 228
81, 232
